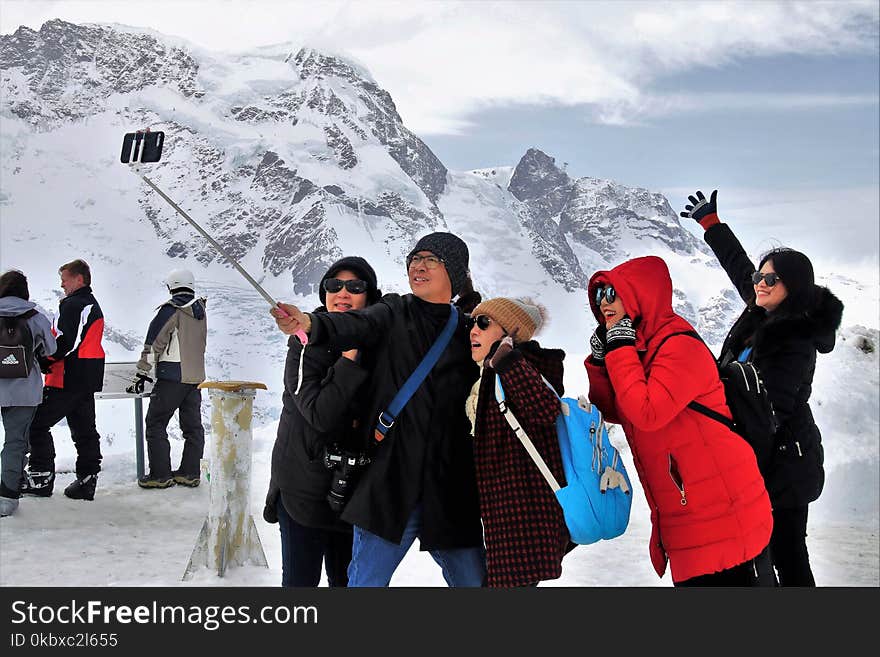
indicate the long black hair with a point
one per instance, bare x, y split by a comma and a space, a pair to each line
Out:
796, 272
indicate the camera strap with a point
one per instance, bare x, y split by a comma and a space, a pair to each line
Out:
387, 417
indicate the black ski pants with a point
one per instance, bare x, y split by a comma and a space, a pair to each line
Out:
788, 547
78, 407
186, 399
304, 549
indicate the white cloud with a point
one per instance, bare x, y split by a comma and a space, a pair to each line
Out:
839, 228
652, 106
441, 61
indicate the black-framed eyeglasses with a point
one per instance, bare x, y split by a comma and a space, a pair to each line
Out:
431, 261
770, 278
354, 286
608, 292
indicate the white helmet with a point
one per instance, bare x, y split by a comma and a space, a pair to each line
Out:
180, 278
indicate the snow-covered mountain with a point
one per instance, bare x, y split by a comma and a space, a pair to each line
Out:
291, 158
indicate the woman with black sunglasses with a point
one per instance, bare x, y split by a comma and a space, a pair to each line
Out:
787, 320
318, 427
710, 513
523, 526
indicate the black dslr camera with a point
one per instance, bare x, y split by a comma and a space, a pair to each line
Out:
346, 467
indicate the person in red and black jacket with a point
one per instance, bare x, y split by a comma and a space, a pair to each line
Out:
74, 373
710, 512
787, 321
525, 532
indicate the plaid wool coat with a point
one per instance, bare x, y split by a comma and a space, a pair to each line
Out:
524, 529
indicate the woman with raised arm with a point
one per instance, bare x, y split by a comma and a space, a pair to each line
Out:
787, 321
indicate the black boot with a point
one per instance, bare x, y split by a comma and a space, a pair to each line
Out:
38, 483
150, 480
82, 488
191, 480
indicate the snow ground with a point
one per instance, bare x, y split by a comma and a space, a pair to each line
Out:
134, 537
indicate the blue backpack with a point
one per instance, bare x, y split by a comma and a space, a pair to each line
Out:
597, 498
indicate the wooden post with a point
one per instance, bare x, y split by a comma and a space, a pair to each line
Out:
229, 536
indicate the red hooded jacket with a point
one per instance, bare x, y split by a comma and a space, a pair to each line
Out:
709, 507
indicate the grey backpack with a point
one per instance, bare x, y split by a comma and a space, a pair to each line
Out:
16, 346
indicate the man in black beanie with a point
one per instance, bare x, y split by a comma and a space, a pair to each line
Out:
421, 481
449, 250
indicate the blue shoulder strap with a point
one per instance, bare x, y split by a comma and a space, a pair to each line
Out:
387, 418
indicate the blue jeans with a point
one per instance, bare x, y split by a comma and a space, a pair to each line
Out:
16, 424
374, 559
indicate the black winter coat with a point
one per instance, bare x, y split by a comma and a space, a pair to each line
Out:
427, 456
784, 348
323, 411
79, 360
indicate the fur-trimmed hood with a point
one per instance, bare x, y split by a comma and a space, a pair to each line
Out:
818, 325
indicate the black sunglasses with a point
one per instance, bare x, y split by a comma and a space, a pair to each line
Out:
607, 292
770, 279
355, 286
482, 321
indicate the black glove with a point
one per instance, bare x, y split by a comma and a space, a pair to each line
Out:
45, 364
137, 383
621, 334
597, 344
700, 208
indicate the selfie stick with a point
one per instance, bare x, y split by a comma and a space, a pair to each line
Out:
300, 334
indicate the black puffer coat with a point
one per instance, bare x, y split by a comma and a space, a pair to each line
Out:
784, 348
324, 409
427, 456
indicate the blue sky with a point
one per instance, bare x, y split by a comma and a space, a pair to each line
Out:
774, 103
765, 146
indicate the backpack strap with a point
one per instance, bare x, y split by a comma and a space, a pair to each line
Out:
695, 405
386, 418
522, 435
715, 415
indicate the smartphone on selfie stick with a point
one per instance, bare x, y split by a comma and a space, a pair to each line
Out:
144, 146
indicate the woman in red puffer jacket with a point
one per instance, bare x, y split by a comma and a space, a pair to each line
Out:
710, 512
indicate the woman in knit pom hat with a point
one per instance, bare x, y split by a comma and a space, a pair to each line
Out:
323, 388
524, 529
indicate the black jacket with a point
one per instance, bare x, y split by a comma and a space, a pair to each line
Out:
79, 359
427, 456
784, 349
323, 411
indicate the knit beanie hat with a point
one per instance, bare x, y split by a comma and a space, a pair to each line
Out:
452, 250
522, 317
360, 267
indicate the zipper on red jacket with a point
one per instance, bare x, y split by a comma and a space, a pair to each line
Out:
675, 475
